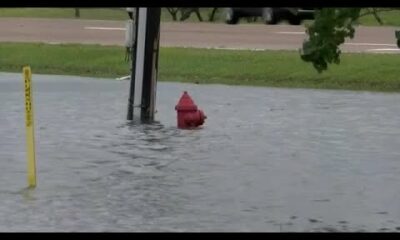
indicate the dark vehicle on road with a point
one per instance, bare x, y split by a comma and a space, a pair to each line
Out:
270, 15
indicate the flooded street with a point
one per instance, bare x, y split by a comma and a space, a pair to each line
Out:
267, 159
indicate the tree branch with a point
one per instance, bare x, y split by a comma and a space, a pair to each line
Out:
375, 13
378, 10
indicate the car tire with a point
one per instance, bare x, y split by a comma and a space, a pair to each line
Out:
294, 20
269, 16
230, 16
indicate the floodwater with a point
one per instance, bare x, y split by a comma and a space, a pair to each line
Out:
267, 159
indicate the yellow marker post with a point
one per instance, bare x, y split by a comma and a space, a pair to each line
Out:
30, 135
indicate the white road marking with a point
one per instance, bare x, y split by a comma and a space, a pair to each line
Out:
223, 48
372, 44
384, 49
290, 33
239, 48
105, 28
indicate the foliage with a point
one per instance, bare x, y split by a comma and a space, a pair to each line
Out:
330, 29
326, 33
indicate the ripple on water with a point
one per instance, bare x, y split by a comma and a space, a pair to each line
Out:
267, 159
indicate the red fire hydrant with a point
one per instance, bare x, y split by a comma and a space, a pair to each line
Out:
188, 114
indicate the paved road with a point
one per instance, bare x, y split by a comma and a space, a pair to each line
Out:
203, 35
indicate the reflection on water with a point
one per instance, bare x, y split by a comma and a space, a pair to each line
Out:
266, 159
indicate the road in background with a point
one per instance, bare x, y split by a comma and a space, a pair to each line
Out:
199, 35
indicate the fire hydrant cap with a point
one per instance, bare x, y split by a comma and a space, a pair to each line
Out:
186, 103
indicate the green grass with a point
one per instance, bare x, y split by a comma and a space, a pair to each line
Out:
72, 59
85, 13
374, 72
389, 18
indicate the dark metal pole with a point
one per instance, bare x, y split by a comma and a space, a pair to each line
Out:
133, 69
150, 70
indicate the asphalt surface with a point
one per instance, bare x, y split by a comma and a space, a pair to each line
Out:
200, 35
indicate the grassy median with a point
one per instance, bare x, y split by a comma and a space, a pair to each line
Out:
388, 17
91, 13
357, 71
